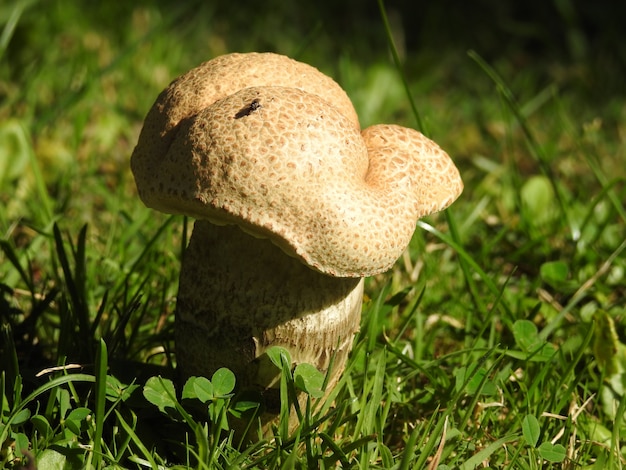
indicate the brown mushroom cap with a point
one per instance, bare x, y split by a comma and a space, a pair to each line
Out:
282, 163
222, 76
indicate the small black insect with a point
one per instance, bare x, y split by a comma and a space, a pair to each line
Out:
247, 110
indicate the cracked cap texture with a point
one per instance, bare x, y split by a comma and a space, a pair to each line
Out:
274, 146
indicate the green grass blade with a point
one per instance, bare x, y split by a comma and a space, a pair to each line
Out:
396, 59
408, 454
482, 455
608, 191
10, 366
149, 245
478, 299
75, 284
138, 442
52, 384
10, 254
10, 25
101, 367
371, 402
616, 439
582, 292
536, 149
570, 371
337, 452
465, 255
45, 215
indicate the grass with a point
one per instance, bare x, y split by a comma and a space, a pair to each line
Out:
497, 339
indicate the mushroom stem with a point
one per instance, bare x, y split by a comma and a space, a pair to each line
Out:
239, 295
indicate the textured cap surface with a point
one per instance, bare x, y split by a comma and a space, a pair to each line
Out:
281, 162
224, 75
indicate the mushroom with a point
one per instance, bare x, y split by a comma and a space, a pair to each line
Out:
294, 207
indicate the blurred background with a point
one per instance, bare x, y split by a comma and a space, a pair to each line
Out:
78, 56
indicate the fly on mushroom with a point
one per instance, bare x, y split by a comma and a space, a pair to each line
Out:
249, 109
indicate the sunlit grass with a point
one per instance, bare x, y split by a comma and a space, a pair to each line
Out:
496, 338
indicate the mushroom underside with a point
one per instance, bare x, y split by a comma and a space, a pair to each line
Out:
239, 295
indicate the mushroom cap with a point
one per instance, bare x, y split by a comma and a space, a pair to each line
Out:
224, 75
282, 162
